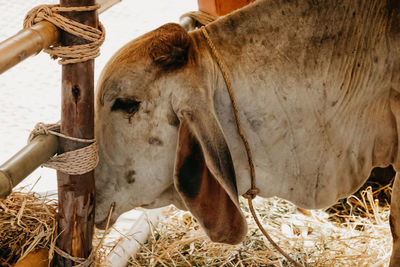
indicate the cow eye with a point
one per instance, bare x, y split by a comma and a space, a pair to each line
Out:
127, 105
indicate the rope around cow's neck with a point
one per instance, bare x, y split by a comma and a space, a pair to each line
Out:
253, 191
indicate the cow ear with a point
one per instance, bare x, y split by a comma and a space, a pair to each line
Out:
205, 178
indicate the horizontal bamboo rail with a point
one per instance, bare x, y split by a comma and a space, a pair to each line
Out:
26, 43
31, 41
25, 161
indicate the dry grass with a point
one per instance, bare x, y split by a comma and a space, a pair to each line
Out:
375, 192
27, 222
356, 233
359, 238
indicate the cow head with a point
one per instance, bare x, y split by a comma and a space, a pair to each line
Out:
159, 139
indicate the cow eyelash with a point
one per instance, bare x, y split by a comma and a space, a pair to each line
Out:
129, 106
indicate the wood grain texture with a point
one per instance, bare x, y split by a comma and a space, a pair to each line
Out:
76, 193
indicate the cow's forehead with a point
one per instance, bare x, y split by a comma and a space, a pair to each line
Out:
137, 66
127, 73
132, 82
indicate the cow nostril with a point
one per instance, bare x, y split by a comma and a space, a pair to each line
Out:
130, 176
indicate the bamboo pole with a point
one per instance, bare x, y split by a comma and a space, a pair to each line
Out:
31, 41
130, 242
25, 161
26, 43
76, 193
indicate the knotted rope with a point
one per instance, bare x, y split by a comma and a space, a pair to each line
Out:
74, 53
253, 191
74, 162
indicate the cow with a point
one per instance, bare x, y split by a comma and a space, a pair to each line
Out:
317, 84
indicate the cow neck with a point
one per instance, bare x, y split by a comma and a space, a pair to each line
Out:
253, 191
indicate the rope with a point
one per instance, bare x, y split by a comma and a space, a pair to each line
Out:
76, 162
74, 53
82, 262
90, 261
253, 191
201, 17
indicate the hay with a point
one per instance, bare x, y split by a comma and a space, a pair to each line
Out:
311, 238
27, 223
357, 234
379, 188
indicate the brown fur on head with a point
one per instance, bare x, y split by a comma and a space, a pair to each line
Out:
170, 46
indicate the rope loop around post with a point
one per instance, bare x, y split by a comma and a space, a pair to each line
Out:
75, 53
75, 162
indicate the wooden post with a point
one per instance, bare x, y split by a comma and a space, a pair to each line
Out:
76, 193
221, 7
